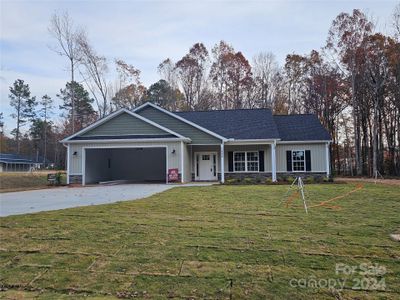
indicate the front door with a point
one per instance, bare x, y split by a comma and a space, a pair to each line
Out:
206, 166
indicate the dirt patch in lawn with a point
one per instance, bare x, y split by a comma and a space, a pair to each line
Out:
369, 180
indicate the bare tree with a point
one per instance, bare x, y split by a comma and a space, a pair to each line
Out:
377, 66
95, 74
347, 33
396, 21
166, 69
219, 72
130, 92
265, 69
66, 34
192, 75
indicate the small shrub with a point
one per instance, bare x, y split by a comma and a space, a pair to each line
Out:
268, 180
328, 179
290, 179
248, 180
231, 181
282, 178
309, 179
318, 179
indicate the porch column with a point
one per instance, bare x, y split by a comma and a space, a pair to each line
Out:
222, 163
182, 165
327, 154
273, 162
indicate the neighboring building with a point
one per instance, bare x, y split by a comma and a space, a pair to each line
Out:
153, 144
17, 163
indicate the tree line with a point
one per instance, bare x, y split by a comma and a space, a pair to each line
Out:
352, 83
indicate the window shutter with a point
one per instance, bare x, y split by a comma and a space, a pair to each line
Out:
261, 161
289, 160
230, 161
308, 160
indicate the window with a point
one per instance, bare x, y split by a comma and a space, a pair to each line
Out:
245, 161
298, 160
239, 161
205, 157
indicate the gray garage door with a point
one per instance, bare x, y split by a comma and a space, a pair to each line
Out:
128, 164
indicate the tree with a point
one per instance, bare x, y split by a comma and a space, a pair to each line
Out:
23, 104
396, 21
162, 94
265, 68
82, 105
166, 69
45, 111
377, 65
95, 72
295, 73
345, 39
40, 131
191, 72
67, 36
239, 79
219, 71
130, 96
130, 91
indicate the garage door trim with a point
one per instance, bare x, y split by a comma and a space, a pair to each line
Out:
116, 147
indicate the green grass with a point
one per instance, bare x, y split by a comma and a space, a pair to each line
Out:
20, 181
219, 242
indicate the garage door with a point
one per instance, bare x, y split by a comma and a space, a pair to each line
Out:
126, 164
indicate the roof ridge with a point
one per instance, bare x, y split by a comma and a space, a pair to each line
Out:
292, 115
212, 110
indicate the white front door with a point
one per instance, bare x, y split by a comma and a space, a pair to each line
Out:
206, 165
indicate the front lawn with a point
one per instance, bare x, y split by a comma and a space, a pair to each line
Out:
21, 181
218, 242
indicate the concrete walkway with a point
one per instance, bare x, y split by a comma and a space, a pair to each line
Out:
17, 203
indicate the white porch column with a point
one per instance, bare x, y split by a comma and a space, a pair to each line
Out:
222, 164
273, 161
67, 163
327, 155
182, 165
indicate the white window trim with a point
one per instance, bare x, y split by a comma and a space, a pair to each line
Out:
245, 162
305, 161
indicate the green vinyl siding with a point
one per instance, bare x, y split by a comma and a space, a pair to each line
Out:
124, 124
196, 135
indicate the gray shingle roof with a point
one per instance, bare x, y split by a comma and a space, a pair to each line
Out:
300, 128
259, 124
237, 124
20, 159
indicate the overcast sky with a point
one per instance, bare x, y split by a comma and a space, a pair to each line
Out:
144, 33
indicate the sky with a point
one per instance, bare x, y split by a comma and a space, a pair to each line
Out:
144, 33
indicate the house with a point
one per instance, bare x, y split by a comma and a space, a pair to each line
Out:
11, 162
152, 144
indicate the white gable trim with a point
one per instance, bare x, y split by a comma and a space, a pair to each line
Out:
180, 119
115, 114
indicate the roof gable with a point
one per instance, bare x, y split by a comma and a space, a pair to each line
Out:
123, 123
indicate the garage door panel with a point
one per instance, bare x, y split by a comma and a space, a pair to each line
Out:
132, 164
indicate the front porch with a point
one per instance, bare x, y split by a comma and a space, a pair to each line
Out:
232, 161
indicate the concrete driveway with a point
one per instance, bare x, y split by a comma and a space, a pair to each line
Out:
17, 203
